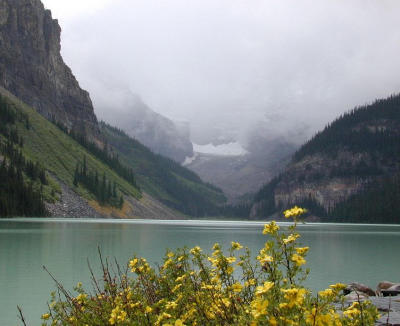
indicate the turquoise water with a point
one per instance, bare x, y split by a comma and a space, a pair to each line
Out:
345, 253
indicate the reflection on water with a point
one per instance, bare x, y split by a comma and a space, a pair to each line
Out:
345, 253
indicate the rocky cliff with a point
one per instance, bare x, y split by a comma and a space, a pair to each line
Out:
31, 66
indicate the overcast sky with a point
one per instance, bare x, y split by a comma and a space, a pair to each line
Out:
236, 65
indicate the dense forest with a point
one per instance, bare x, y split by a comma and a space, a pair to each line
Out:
351, 131
377, 203
21, 179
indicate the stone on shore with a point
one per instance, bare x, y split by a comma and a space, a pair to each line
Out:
358, 288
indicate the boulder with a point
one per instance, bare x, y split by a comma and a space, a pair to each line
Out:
355, 296
386, 287
358, 288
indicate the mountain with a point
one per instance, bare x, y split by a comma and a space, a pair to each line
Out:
55, 158
29, 137
237, 171
347, 172
31, 66
160, 134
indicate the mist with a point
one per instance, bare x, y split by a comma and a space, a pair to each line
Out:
234, 68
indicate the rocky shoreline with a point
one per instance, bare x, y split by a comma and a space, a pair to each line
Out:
71, 205
386, 299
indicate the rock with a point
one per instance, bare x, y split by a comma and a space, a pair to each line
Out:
387, 307
387, 286
71, 204
355, 296
32, 68
392, 320
359, 288
392, 291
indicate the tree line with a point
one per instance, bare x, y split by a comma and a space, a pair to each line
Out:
105, 154
351, 131
103, 189
22, 180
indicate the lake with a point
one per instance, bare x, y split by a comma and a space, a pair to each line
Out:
339, 252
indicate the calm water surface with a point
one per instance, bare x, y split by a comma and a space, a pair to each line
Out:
345, 253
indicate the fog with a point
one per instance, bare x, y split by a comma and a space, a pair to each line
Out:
233, 67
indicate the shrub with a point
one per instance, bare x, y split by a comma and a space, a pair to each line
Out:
192, 288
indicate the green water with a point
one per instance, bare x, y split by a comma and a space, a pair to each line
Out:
345, 253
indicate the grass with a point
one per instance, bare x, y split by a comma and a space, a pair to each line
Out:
59, 154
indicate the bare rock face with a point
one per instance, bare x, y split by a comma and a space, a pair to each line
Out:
314, 177
31, 66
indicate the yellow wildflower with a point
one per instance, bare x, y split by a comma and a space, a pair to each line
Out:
176, 287
270, 228
251, 281
291, 238
171, 305
236, 245
117, 315
352, 311
294, 296
294, 212
237, 287
167, 263
216, 246
326, 293
180, 278
261, 289
272, 321
259, 308
45, 316
195, 251
231, 260
265, 259
338, 287
302, 251
299, 260
133, 263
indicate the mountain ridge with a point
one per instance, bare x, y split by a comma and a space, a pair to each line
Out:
337, 165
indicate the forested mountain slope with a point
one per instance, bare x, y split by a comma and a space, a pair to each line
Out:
347, 172
58, 156
87, 172
163, 178
138, 175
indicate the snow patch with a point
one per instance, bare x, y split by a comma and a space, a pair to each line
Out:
189, 160
230, 149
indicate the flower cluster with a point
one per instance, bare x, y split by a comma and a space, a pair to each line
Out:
294, 212
222, 288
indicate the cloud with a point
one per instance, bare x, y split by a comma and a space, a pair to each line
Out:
228, 65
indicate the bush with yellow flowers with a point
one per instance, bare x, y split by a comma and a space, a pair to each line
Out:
223, 288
